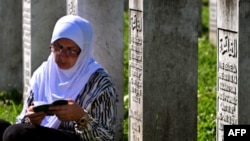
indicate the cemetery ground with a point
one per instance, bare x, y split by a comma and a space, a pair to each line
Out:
10, 102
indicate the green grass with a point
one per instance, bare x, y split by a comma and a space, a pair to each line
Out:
206, 91
10, 104
206, 82
126, 99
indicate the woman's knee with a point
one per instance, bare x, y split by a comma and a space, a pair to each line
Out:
17, 132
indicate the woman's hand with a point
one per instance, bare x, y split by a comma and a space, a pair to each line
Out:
35, 118
69, 112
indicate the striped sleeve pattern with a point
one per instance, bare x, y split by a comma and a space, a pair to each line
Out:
99, 99
21, 117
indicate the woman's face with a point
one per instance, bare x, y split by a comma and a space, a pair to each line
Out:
66, 53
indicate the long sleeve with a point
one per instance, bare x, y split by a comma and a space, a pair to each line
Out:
99, 99
103, 113
27, 102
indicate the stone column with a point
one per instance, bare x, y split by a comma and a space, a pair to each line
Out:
163, 70
233, 69
11, 45
212, 22
107, 21
39, 18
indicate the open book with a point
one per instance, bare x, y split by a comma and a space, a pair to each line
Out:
43, 106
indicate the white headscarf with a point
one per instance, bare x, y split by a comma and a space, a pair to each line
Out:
49, 82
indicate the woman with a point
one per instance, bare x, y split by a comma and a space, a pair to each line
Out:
70, 73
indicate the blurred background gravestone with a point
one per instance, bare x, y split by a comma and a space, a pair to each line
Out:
233, 69
11, 45
39, 18
212, 21
163, 70
106, 18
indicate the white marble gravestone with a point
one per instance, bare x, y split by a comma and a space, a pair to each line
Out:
39, 18
213, 21
233, 64
163, 70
